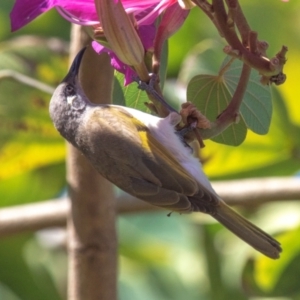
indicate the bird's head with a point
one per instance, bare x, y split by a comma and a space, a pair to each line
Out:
68, 101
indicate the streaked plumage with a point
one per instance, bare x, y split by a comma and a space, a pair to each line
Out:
143, 156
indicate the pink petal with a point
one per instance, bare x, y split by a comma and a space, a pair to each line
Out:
24, 11
116, 63
83, 11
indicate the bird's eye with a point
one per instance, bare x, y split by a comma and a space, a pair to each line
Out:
69, 90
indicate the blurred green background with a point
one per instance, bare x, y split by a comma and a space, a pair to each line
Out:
181, 257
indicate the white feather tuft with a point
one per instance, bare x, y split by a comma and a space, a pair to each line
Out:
163, 129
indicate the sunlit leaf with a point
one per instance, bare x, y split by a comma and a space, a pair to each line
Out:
260, 155
212, 94
290, 89
17, 158
133, 96
36, 185
32, 151
256, 108
27, 135
211, 97
164, 64
268, 272
118, 94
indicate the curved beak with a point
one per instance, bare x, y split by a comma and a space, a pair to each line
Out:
74, 69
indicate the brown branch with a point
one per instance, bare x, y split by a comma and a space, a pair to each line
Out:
92, 240
208, 10
239, 19
32, 217
244, 193
227, 28
226, 23
231, 113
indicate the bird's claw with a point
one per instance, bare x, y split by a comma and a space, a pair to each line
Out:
149, 88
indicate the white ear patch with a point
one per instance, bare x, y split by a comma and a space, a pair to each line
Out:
70, 99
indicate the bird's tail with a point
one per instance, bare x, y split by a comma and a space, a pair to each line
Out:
247, 231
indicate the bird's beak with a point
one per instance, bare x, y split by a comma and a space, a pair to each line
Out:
74, 69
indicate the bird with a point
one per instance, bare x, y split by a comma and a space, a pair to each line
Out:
144, 155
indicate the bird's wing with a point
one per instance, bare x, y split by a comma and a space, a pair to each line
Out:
126, 153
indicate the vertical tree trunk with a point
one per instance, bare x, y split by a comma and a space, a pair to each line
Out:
92, 239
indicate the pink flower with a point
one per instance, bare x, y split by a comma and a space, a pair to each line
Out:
83, 12
146, 34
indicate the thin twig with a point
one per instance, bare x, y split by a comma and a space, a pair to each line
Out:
207, 8
19, 77
228, 28
55, 45
239, 19
226, 20
32, 217
52, 213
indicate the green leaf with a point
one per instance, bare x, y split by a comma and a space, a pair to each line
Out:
274, 154
211, 97
118, 93
212, 94
163, 64
28, 138
39, 184
256, 108
32, 151
131, 95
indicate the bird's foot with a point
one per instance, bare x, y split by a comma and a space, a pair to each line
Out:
191, 115
149, 87
181, 133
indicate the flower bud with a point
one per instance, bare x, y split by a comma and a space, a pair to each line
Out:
120, 32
